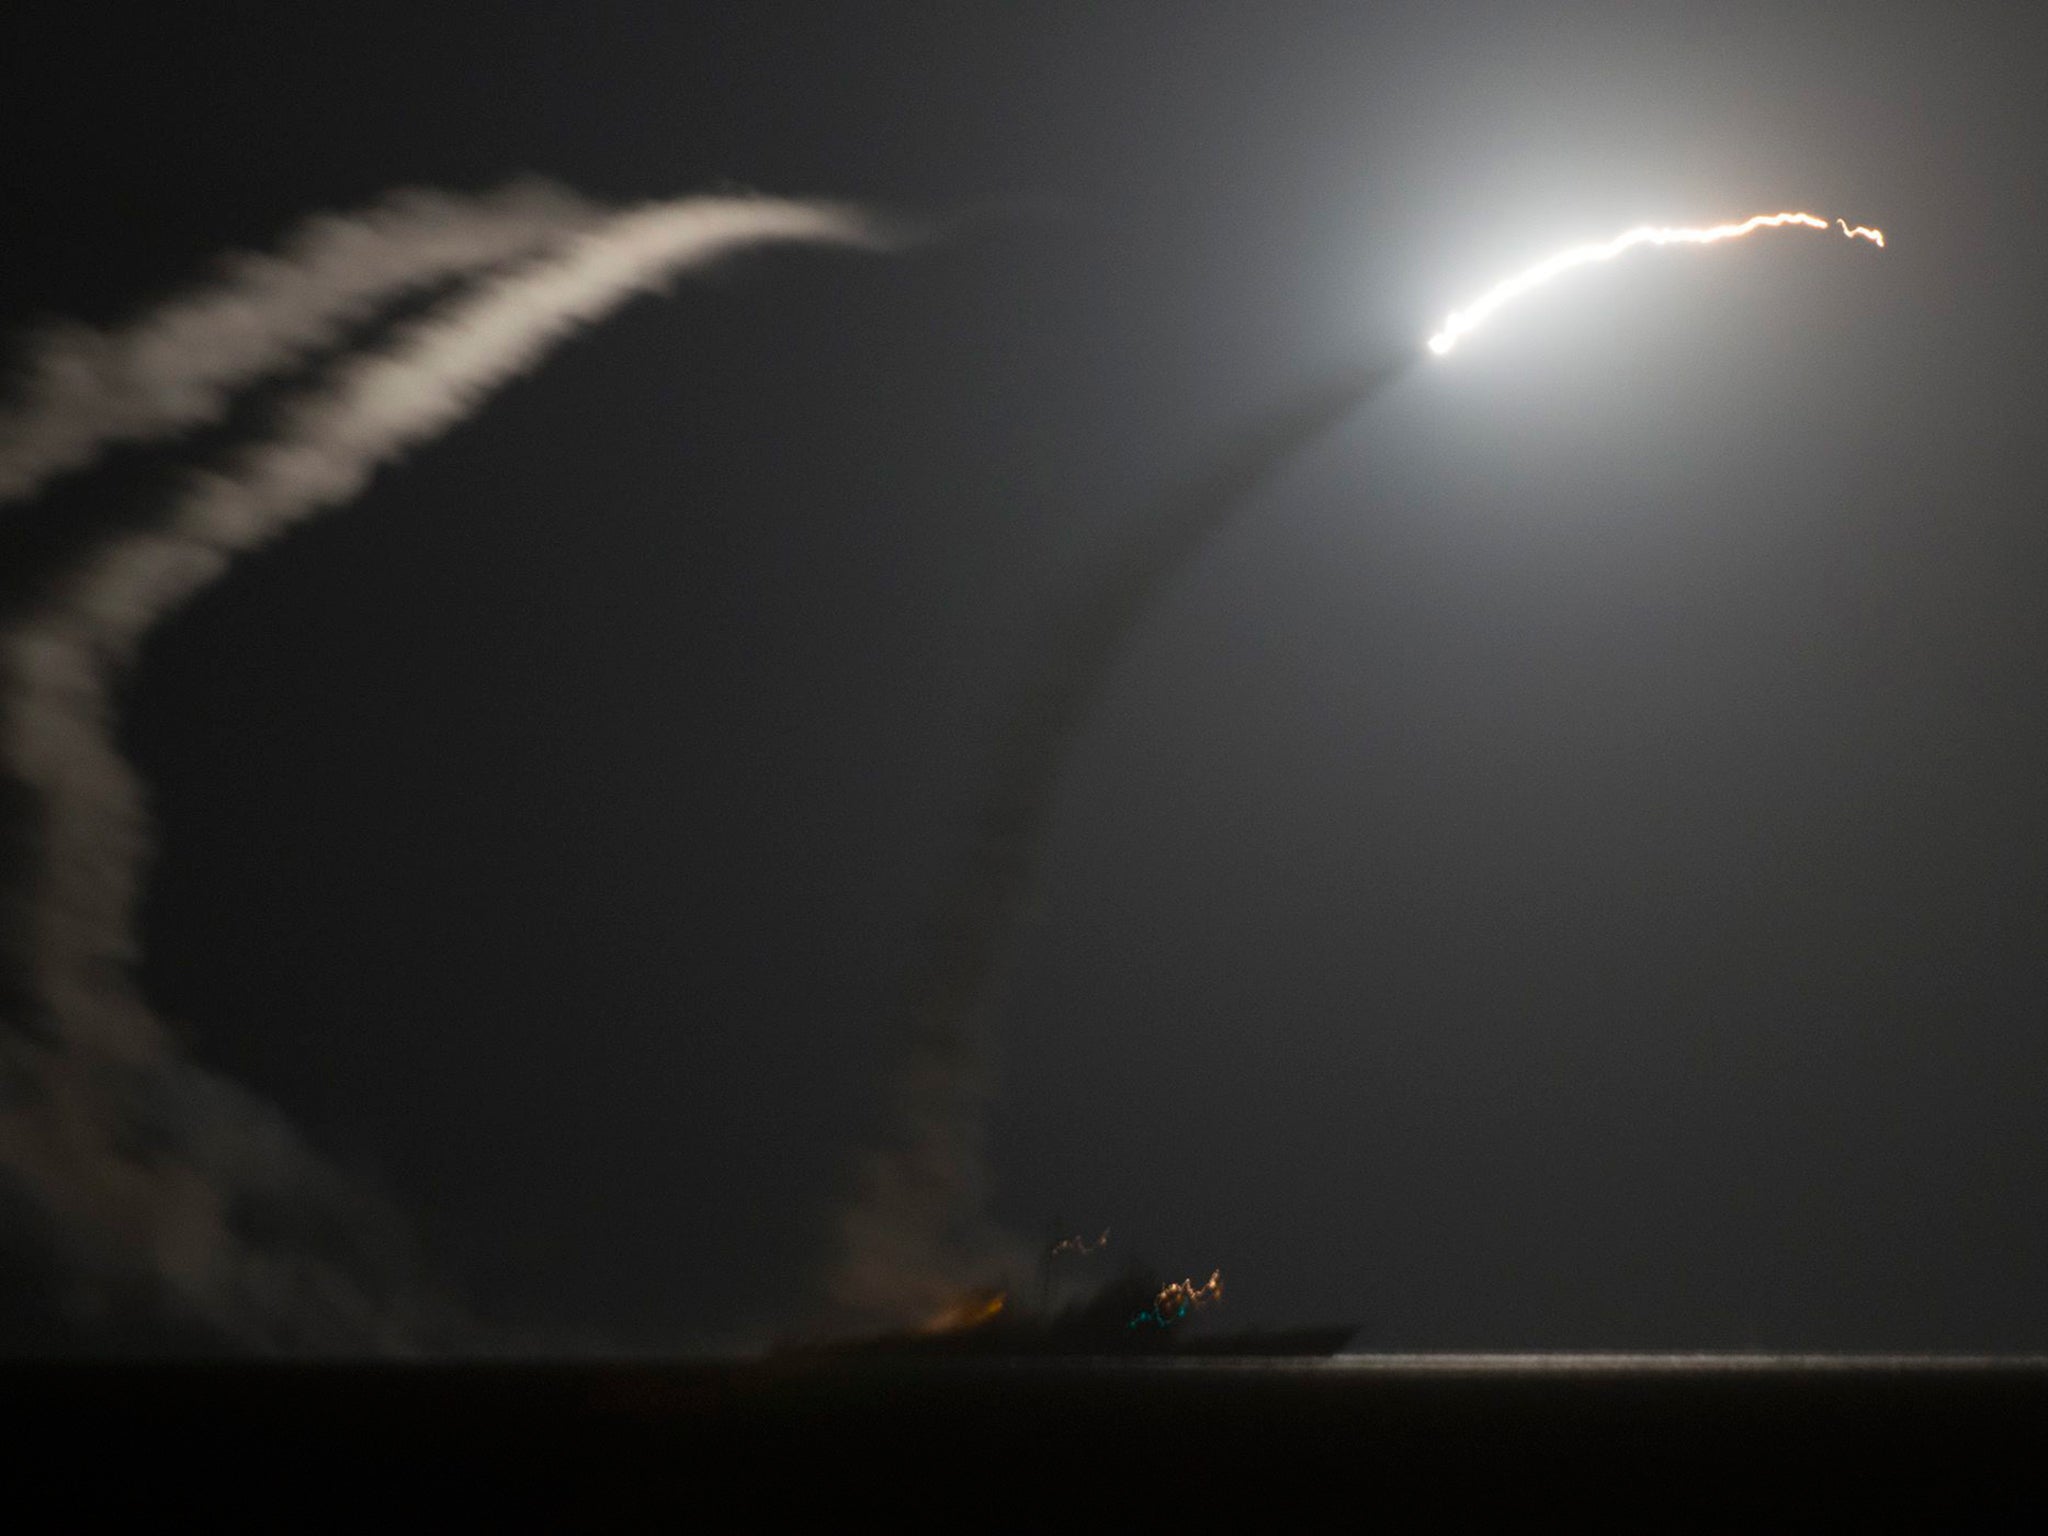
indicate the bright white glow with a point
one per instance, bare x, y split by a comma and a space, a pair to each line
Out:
1462, 322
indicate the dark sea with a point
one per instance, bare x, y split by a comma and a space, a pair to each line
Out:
1398, 1442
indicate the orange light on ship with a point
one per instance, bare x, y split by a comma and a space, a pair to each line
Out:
1177, 1298
1184, 1296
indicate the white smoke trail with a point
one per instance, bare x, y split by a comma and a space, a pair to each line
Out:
82, 391
68, 1100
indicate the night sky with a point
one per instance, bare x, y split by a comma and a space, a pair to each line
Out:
1568, 866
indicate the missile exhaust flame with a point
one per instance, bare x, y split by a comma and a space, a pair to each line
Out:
1460, 323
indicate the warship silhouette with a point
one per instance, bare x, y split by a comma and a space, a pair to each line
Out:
1134, 1315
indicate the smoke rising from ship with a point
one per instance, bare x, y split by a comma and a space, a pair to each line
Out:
915, 1231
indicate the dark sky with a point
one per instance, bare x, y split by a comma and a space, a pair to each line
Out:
1570, 868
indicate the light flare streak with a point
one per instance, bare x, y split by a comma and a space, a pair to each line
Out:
1462, 322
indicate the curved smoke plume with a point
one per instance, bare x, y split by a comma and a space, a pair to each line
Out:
82, 391
915, 1232
150, 1171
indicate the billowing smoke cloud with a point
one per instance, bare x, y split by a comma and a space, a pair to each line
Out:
82, 391
151, 1171
916, 1231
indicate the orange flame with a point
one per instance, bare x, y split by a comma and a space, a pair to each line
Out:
970, 1311
1079, 1244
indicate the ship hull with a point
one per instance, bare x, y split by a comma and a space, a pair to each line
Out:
1023, 1342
